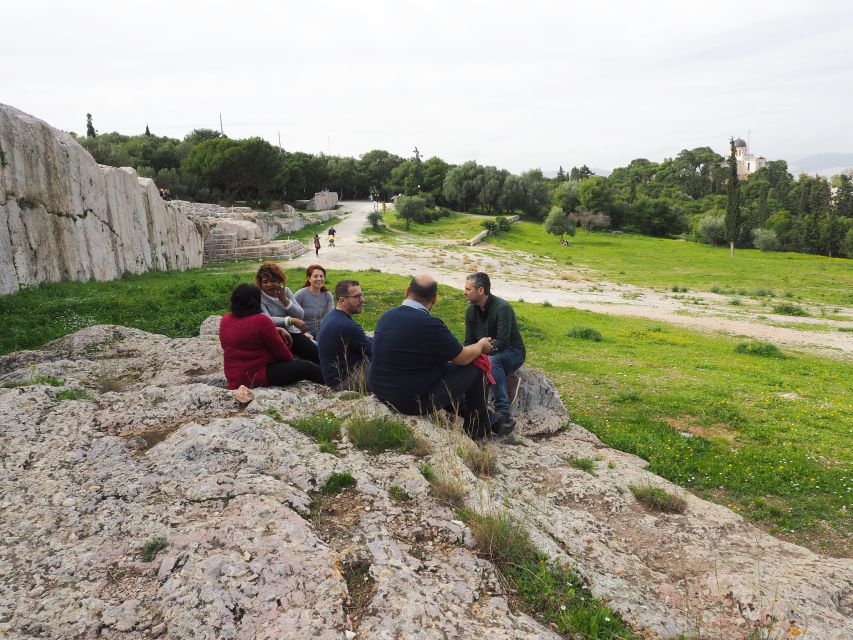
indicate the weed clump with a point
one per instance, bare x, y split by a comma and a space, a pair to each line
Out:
759, 348
273, 413
657, 499
398, 494
551, 592
584, 333
325, 428
483, 461
790, 309
73, 394
379, 434
51, 381
151, 548
627, 396
583, 464
427, 472
337, 482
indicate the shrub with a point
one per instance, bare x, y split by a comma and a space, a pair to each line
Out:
410, 208
763, 293
427, 472
151, 548
374, 218
337, 482
735, 302
657, 499
712, 230
584, 333
503, 224
483, 461
380, 434
759, 348
490, 225
765, 240
789, 309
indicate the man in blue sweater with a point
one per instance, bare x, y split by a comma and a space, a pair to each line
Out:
418, 366
344, 348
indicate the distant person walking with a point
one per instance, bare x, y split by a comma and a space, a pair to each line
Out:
316, 244
331, 236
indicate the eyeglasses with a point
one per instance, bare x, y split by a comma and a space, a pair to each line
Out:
358, 295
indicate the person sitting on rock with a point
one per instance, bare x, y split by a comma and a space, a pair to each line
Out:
279, 303
345, 349
418, 366
315, 298
254, 350
489, 315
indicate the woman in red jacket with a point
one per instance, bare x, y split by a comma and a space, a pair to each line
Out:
254, 350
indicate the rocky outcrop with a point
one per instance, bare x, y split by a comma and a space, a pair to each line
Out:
159, 449
321, 201
63, 216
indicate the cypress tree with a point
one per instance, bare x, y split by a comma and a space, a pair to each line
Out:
90, 128
733, 220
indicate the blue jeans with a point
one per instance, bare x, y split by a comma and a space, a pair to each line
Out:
504, 363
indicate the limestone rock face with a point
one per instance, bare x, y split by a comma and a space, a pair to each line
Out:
161, 453
63, 216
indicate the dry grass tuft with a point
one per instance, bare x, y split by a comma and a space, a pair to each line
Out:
482, 460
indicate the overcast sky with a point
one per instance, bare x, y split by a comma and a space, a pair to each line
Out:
517, 85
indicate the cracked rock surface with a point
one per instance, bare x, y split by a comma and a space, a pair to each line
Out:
241, 546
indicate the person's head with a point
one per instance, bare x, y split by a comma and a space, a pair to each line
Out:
245, 300
315, 278
477, 288
424, 289
270, 278
349, 297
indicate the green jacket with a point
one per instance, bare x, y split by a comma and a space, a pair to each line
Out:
496, 320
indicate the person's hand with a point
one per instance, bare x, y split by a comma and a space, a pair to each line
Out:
299, 324
285, 335
485, 345
279, 293
309, 336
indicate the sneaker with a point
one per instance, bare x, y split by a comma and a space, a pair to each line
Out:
503, 426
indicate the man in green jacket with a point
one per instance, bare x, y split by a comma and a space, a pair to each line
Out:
489, 315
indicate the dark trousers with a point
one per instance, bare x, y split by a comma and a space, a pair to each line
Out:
462, 390
282, 373
303, 347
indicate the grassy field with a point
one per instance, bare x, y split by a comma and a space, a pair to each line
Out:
456, 226
770, 437
307, 232
663, 263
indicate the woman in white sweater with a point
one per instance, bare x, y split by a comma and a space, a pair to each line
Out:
279, 303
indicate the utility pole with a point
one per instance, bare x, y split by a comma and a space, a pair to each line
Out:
221, 130
279, 143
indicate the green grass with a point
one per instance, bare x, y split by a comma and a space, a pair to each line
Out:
74, 394
378, 434
398, 494
456, 226
151, 548
336, 483
550, 592
638, 390
325, 428
582, 464
585, 333
307, 232
657, 262
790, 309
52, 381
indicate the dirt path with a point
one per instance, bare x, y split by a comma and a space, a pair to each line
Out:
516, 275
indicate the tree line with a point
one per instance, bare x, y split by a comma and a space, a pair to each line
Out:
681, 196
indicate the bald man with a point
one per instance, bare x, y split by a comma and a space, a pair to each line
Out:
419, 366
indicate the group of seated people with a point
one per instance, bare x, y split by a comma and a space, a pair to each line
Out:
413, 363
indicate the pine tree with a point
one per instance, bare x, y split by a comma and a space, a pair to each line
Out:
733, 219
561, 174
843, 201
147, 130
90, 128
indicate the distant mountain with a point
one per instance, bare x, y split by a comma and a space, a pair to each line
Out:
823, 161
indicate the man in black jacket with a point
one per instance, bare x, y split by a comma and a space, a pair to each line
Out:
489, 315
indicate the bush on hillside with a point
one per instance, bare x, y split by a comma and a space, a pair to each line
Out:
712, 230
765, 240
759, 348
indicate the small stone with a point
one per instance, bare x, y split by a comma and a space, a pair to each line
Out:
350, 634
159, 630
244, 395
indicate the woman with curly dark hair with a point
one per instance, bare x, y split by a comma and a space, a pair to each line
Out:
278, 302
314, 298
254, 349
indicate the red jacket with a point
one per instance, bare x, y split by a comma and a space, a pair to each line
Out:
249, 344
